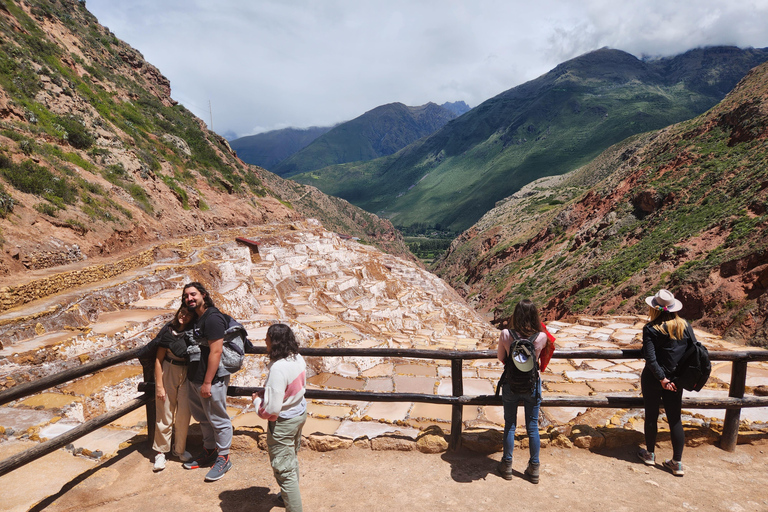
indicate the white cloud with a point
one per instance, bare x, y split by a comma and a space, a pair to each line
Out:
266, 64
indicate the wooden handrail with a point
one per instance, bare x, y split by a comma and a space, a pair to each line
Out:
27, 456
733, 404
30, 388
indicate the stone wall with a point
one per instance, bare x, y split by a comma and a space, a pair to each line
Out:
12, 296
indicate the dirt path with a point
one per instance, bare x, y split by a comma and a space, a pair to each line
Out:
359, 479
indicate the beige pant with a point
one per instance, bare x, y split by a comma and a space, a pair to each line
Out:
173, 412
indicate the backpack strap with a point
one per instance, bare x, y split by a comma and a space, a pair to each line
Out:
689, 351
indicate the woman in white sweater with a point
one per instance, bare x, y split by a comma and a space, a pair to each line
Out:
282, 403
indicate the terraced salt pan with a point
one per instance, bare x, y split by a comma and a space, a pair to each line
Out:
757, 373
108, 377
357, 429
50, 339
167, 299
113, 322
20, 419
752, 414
48, 400
391, 411
471, 387
411, 384
382, 384
599, 375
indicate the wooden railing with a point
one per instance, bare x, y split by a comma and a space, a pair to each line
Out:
733, 404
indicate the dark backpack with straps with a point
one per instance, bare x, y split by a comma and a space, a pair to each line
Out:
521, 368
694, 368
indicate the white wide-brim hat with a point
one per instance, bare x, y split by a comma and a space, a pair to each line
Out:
664, 301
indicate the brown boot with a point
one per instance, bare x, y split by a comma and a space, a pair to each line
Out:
532, 472
505, 469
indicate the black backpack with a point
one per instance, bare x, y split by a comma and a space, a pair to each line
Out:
521, 368
694, 368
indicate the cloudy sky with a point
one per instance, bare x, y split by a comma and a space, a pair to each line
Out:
268, 64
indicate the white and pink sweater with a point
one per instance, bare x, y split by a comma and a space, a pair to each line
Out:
284, 390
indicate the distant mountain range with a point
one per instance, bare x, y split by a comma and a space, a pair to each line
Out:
379, 132
545, 127
683, 208
270, 148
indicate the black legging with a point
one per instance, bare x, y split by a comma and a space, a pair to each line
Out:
653, 396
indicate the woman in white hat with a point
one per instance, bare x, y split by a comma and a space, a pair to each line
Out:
665, 339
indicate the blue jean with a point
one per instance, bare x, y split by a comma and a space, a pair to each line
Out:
532, 404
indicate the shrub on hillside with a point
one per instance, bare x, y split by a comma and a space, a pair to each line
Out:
6, 203
75, 132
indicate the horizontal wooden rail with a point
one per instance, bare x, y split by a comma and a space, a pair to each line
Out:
603, 401
729, 355
36, 386
27, 456
733, 404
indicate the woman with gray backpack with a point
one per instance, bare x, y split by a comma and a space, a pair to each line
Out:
520, 349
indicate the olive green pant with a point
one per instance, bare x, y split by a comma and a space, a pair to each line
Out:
283, 442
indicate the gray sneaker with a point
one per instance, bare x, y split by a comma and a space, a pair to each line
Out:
221, 466
203, 459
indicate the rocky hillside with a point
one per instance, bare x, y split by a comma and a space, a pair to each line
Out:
682, 208
97, 158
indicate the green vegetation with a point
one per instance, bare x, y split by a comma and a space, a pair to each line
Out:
35, 179
428, 249
6, 203
74, 132
117, 175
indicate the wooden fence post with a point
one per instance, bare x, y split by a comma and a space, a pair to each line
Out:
730, 435
149, 377
456, 412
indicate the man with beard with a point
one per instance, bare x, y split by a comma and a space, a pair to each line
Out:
207, 386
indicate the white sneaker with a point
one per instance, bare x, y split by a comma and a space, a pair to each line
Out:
159, 462
184, 457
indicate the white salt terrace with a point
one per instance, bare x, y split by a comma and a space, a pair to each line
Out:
337, 293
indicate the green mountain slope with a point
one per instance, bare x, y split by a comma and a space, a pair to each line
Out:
97, 159
545, 127
270, 148
379, 132
684, 208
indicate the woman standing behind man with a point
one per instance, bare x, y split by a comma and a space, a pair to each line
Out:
282, 403
525, 324
665, 339
171, 397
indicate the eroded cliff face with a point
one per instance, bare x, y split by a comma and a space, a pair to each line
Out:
98, 161
683, 208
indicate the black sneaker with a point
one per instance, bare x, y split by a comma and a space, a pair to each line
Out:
204, 459
222, 465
